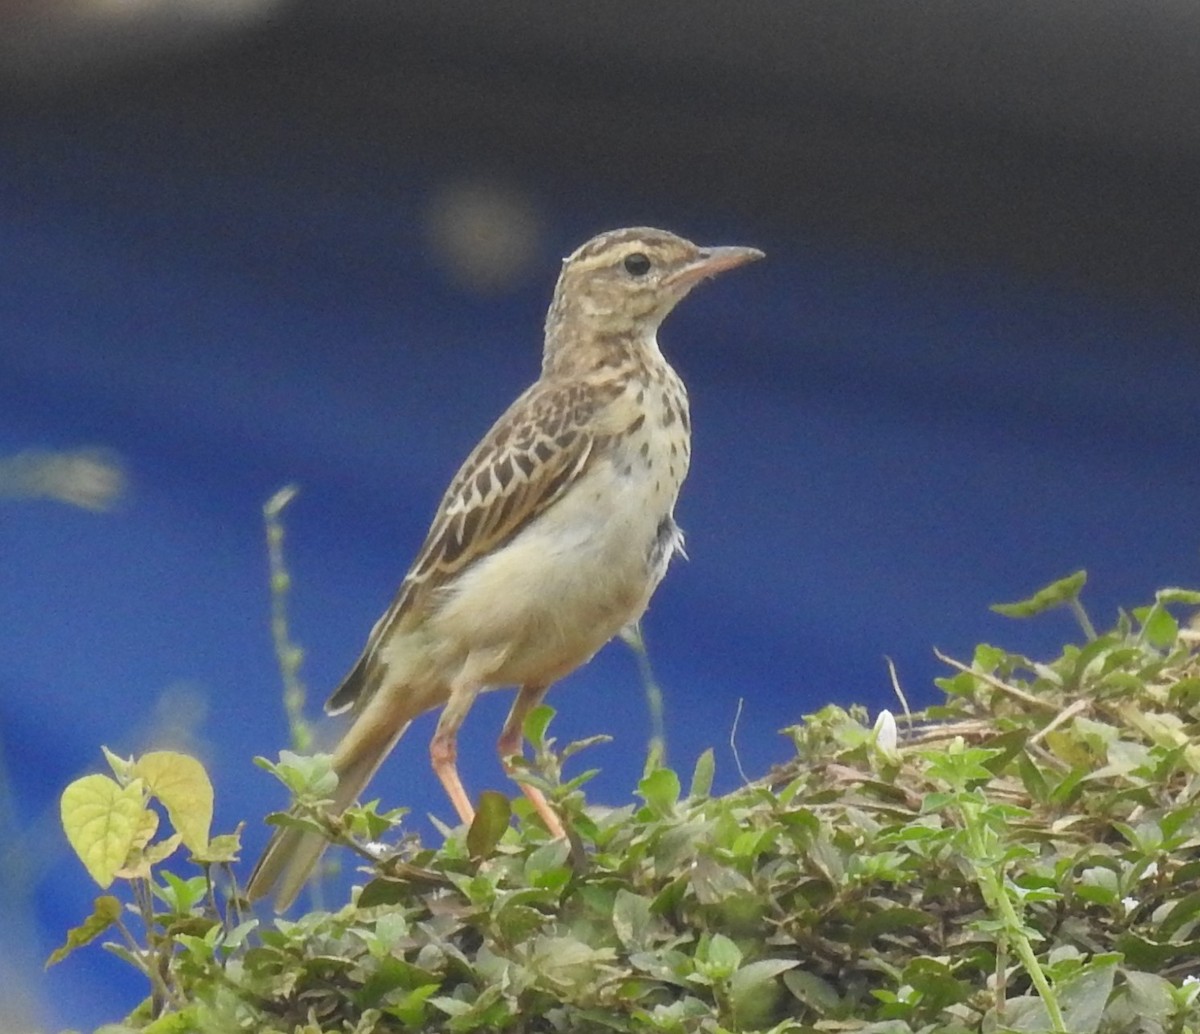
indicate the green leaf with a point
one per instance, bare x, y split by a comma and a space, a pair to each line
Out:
1053, 595
818, 994
1149, 994
660, 790
721, 959
103, 822
754, 974
702, 775
105, 911
887, 921
366, 822
1032, 778
491, 821
181, 895
1158, 626
307, 777
1083, 997
183, 1022
631, 919
451, 1006
546, 864
716, 884
751, 988
410, 1010
1187, 597
536, 723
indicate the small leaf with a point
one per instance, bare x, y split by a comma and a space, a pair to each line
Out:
545, 864
575, 746
1186, 910
181, 783
536, 723
491, 820
1158, 626
702, 776
722, 958
102, 821
122, 767
1053, 595
105, 912
410, 1009
1188, 597
181, 895
309, 777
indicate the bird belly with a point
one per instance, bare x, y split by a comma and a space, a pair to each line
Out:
548, 599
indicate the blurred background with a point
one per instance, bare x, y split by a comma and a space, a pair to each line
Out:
246, 243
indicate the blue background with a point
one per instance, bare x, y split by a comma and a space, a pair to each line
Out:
885, 443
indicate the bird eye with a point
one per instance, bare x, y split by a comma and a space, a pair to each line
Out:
637, 264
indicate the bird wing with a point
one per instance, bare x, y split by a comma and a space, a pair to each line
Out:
530, 457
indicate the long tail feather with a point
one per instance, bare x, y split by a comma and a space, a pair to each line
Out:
292, 854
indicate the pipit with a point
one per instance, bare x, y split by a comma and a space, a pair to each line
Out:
549, 541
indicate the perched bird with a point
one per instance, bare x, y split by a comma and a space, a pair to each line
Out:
550, 539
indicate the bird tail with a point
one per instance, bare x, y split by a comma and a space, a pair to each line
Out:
292, 854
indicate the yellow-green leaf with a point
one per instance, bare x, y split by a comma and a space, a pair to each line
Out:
102, 821
155, 853
221, 849
137, 866
181, 783
105, 912
145, 832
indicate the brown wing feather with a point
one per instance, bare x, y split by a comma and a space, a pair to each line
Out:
520, 467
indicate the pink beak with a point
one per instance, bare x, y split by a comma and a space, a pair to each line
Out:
712, 261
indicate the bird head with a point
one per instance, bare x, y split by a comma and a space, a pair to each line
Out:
625, 282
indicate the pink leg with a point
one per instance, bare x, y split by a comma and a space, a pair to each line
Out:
510, 745
443, 749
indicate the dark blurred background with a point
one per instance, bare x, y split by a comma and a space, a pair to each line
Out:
245, 243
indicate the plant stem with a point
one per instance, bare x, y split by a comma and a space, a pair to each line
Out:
287, 654
990, 876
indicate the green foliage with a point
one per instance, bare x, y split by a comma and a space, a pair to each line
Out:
1025, 856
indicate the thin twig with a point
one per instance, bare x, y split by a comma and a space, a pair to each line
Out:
995, 683
1085, 622
737, 717
1063, 716
897, 690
